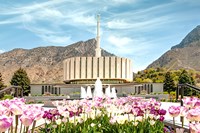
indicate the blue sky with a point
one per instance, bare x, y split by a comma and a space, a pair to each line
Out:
141, 30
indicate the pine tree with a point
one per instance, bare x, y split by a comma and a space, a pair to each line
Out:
2, 86
186, 78
169, 84
20, 78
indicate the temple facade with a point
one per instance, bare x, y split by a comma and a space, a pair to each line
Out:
113, 69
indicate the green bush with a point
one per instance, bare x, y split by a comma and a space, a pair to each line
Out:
165, 92
40, 102
6, 96
163, 100
173, 93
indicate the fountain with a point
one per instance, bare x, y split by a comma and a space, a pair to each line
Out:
113, 93
107, 92
98, 92
83, 92
89, 92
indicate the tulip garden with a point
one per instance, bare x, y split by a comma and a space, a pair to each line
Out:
100, 115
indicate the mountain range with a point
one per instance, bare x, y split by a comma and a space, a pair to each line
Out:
44, 64
185, 55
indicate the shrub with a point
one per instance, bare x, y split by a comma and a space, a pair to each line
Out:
6, 96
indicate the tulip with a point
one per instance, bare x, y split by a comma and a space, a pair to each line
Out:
189, 101
5, 123
180, 130
194, 127
161, 118
16, 109
152, 122
58, 121
183, 111
162, 112
174, 111
26, 120
193, 115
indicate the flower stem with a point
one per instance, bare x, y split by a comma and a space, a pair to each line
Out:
182, 120
11, 128
174, 124
27, 129
59, 128
33, 127
66, 127
20, 128
16, 123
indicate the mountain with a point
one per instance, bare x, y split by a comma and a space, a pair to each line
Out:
184, 55
44, 64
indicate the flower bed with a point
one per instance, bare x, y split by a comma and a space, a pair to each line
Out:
16, 116
190, 111
98, 115
127, 114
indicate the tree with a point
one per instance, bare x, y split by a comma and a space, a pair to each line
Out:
186, 78
20, 78
169, 84
2, 86
147, 80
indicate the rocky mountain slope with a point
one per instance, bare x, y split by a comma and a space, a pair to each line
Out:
184, 55
44, 64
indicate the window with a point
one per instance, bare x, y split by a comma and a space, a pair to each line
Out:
45, 88
55, 90
42, 89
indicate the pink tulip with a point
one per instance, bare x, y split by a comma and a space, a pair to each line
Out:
26, 120
180, 130
189, 102
5, 123
194, 127
197, 104
174, 111
35, 111
193, 115
183, 111
16, 109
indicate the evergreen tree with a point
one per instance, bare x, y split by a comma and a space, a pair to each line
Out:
186, 78
169, 84
2, 86
20, 78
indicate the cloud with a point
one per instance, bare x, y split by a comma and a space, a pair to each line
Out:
56, 39
118, 24
82, 19
127, 46
139, 24
119, 41
1, 51
23, 9
10, 21
122, 1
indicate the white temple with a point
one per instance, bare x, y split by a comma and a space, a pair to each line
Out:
111, 68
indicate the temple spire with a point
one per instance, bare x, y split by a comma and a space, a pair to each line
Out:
98, 49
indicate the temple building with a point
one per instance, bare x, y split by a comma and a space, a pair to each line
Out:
80, 72
87, 69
